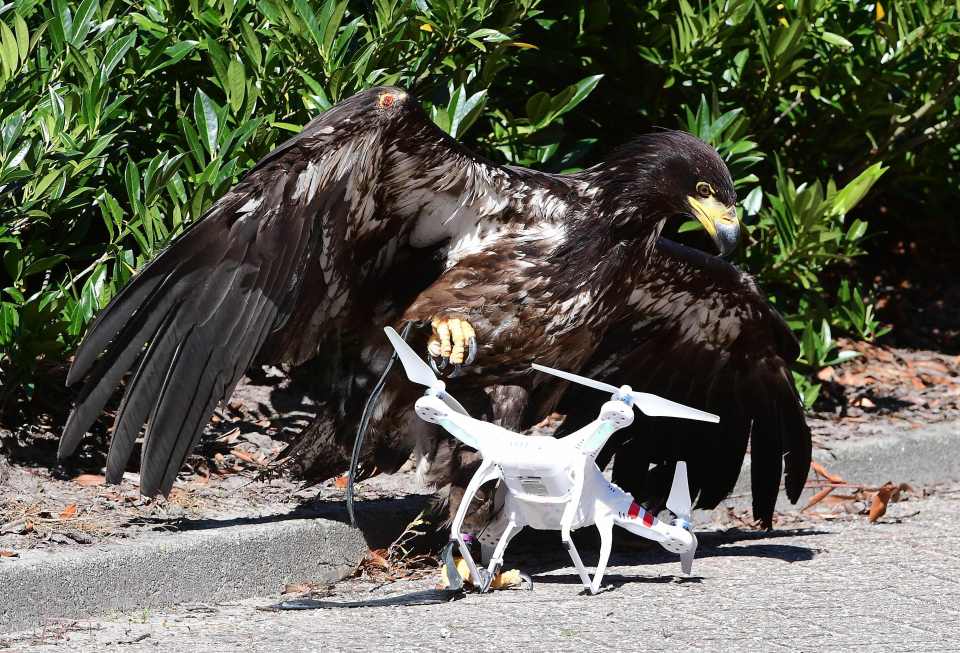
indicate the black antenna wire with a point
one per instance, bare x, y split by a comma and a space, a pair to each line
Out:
362, 428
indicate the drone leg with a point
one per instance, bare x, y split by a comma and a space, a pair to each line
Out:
566, 522
486, 472
577, 562
496, 560
605, 527
489, 535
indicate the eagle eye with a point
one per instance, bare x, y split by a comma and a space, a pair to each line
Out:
704, 189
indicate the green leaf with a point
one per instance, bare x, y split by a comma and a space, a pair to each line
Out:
238, 80
753, 201
219, 59
573, 95
489, 35
9, 322
131, 178
252, 43
310, 21
467, 111
45, 183
836, 39
205, 116
43, 264
114, 55
287, 126
8, 48
332, 22
13, 263
174, 54
538, 107
90, 295
23, 36
82, 21
851, 194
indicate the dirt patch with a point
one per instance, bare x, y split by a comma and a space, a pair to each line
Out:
231, 475
885, 389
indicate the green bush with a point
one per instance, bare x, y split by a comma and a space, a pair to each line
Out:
122, 120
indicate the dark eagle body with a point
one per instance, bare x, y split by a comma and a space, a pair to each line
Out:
374, 216
696, 330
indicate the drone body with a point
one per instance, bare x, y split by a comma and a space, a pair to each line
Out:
555, 484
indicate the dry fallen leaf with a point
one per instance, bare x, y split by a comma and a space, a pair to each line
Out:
878, 507
8, 554
231, 436
247, 457
377, 558
820, 469
89, 480
69, 512
341, 481
817, 498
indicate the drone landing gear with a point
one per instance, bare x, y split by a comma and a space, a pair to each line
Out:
606, 544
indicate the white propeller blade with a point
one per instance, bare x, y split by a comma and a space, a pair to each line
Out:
645, 402
680, 504
419, 371
576, 378
416, 368
655, 406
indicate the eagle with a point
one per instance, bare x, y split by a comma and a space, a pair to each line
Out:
373, 216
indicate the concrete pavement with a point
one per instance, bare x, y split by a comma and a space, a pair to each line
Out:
883, 585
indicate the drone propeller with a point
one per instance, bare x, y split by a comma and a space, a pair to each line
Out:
645, 402
679, 504
419, 371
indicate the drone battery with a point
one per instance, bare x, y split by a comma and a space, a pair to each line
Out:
539, 495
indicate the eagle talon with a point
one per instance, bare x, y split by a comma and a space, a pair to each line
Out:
453, 344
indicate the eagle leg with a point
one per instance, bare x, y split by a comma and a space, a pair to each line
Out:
453, 342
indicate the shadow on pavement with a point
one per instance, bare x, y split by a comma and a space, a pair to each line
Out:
380, 520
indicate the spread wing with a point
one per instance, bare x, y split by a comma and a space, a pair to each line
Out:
697, 331
295, 251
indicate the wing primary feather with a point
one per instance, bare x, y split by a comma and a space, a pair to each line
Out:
130, 418
109, 370
113, 321
240, 327
190, 432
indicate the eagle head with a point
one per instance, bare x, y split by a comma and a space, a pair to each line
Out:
665, 174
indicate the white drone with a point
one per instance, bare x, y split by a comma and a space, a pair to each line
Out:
555, 483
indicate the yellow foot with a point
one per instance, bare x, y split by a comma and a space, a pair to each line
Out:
503, 580
454, 342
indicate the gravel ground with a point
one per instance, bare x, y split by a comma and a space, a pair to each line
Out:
832, 585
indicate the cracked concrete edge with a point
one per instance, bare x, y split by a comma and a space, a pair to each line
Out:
214, 564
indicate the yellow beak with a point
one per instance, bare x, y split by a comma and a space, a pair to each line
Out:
718, 220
